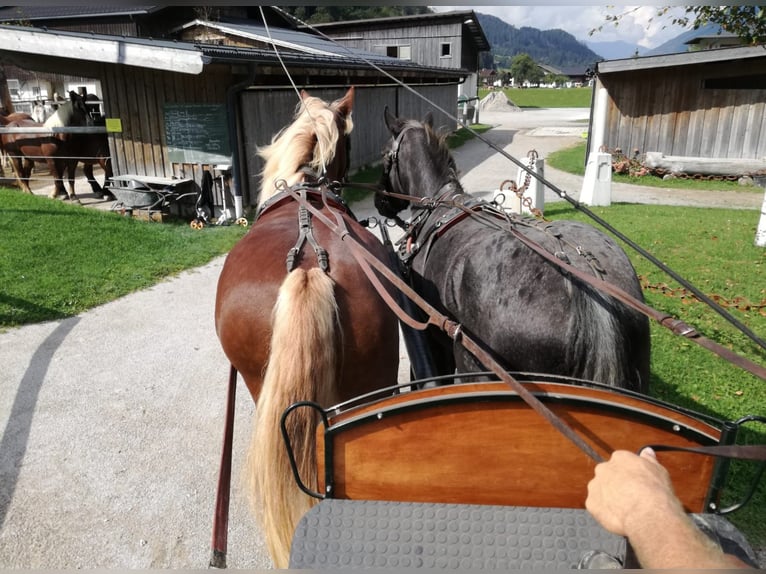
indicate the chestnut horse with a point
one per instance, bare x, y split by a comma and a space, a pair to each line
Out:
26, 149
304, 335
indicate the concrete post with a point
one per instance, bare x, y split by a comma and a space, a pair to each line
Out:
597, 184
760, 233
535, 191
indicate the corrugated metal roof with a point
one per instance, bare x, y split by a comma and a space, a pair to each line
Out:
56, 12
111, 37
683, 59
291, 39
212, 52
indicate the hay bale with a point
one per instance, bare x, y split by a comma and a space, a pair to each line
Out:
497, 101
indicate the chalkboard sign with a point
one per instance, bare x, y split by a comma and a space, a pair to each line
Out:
197, 133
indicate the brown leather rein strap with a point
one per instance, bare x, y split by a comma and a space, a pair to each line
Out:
219, 543
742, 452
454, 330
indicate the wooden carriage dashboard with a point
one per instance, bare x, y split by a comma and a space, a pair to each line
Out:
479, 443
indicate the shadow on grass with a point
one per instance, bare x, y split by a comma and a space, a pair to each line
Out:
15, 312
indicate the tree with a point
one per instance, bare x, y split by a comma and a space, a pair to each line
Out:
524, 69
747, 22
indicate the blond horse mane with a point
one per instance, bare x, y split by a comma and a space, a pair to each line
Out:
310, 140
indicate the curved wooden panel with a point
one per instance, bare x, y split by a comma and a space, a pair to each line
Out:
479, 443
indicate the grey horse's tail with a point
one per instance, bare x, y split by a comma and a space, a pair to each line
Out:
610, 337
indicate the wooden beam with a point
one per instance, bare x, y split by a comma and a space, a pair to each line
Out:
54, 130
703, 165
127, 52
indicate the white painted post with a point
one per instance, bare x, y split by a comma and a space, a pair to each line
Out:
597, 184
511, 202
760, 233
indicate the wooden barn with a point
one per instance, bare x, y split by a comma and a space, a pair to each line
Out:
703, 104
446, 40
186, 106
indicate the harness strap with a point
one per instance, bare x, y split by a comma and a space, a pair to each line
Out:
223, 490
306, 233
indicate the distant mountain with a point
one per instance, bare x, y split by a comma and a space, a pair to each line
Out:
615, 50
552, 47
677, 45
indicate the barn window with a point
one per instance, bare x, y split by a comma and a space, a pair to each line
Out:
753, 82
14, 87
400, 52
446, 50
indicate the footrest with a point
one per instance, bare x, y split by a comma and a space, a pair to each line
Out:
362, 534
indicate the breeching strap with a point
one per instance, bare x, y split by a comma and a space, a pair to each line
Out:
453, 329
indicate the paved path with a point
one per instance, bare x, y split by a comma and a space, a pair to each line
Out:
111, 421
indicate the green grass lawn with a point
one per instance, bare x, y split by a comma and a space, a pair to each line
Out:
59, 259
547, 97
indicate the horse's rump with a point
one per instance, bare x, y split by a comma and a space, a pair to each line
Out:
530, 312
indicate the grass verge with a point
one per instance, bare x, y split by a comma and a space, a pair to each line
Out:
572, 160
547, 97
58, 259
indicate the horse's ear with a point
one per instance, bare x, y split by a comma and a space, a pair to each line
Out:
346, 103
304, 94
429, 119
393, 123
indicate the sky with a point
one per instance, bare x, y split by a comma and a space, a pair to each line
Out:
640, 26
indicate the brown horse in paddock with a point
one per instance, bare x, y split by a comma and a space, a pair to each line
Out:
5, 119
309, 334
26, 149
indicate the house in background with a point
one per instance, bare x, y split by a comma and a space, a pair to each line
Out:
706, 104
712, 41
450, 40
575, 76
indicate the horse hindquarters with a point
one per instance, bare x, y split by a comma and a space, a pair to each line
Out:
303, 365
530, 314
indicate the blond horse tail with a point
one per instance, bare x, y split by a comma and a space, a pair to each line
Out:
303, 365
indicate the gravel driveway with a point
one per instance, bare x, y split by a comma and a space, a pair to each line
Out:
112, 420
